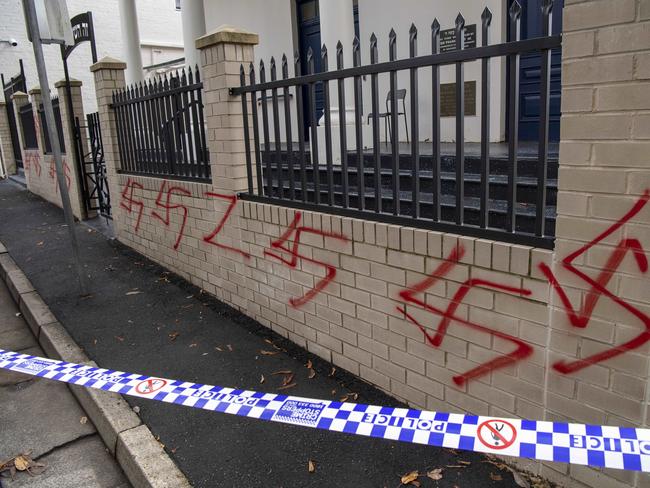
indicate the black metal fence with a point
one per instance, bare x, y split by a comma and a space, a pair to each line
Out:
160, 127
90, 151
499, 198
15, 84
58, 123
30, 138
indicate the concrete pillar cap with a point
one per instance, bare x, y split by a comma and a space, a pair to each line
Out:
108, 62
227, 34
19, 94
35, 91
62, 83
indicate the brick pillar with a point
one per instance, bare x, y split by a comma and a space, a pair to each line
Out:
6, 148
36, 98
604, 161
19, 99
222, 53
109, 76
75, 171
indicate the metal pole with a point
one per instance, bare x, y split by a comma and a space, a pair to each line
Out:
32, 26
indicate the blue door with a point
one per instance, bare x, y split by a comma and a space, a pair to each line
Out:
309, 36
530, 72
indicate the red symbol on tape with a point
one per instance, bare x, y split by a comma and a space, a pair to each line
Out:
496, 434
151, 385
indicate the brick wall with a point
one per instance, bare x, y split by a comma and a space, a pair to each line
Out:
528, 333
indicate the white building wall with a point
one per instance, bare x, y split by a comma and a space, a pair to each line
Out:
276, 25
160, 31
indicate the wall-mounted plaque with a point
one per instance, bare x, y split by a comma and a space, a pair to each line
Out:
448, 99
448, 38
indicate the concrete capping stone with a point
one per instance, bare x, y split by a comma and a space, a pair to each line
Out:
140, 456
18, 284
145, 462
108, 62
36, 312
19, 94
227, 34
3, 249
62, 83
34, 91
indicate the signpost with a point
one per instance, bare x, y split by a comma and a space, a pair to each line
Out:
60, 31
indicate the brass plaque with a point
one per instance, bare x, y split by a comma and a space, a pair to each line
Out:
448, 38
448, 99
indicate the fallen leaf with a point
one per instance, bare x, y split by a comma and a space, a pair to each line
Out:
435, 474
262, 379
287, 379
286, 387
519, 479
120, 338
456, 466
496, 477
229, 347
333, 392
466, 463
83, 420
21, 462
134, 292
312, 466
409, 477
194, 344
332, 372
308, 365
312, 374
282, 371
268, 353
39, 243
173, 451
344, 398
173, 335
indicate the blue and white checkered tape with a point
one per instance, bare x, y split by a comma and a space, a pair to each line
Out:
593, 445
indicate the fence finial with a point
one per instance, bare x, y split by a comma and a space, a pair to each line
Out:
486, 16
547, 6
460, 21
515, 10
323, 56
413, 32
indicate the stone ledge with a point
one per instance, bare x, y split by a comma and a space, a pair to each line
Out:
227, 34
108, 63
19, 94
34, 91
18, 284
62, 83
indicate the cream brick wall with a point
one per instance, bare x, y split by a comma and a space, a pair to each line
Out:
357, 319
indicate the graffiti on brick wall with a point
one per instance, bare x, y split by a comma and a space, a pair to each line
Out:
168, 205
33, 161
212, 236
581, 317
66, 174
283, 245
414, 296
128, 201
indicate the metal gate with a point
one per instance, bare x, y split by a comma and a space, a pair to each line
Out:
94, 181
16, 83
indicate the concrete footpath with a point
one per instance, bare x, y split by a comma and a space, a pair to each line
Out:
43, 418
142, 319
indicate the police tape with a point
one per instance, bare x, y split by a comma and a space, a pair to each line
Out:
593, 445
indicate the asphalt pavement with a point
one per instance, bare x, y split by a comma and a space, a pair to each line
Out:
142, 319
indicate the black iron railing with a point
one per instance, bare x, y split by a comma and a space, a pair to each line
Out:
30, 139
58, 123
160, 127
498, 197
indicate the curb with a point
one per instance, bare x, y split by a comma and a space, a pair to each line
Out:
141, 457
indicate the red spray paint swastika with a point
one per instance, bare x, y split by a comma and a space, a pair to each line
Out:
598, 288
168, 206
209, 238
128, 201
522, 351
33, 158
283, 245
66, 174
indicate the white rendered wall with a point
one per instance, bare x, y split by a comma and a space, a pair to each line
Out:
159, 22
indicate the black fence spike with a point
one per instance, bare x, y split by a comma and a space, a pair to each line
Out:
515, 10
413, 31
547, 6
460, 20
435, 27
284, 59
310, 54
486, 16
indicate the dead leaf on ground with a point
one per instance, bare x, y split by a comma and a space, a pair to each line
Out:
262, 379
311, 466
264, 352
286, 387
40, 243
83, 420
435, 474
308, 365
194, 344
229, 347
287, 379
282, 371
312, 374
218, 349
133, 292
332, 372
120, 338
496, 477
466, 463
173, 335
455, 466
409, 478
21, 462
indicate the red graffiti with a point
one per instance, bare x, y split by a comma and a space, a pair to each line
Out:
66, 174
168, 206
209, 238
128, 201
598, 288
33, 158
283, 245
522, 350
